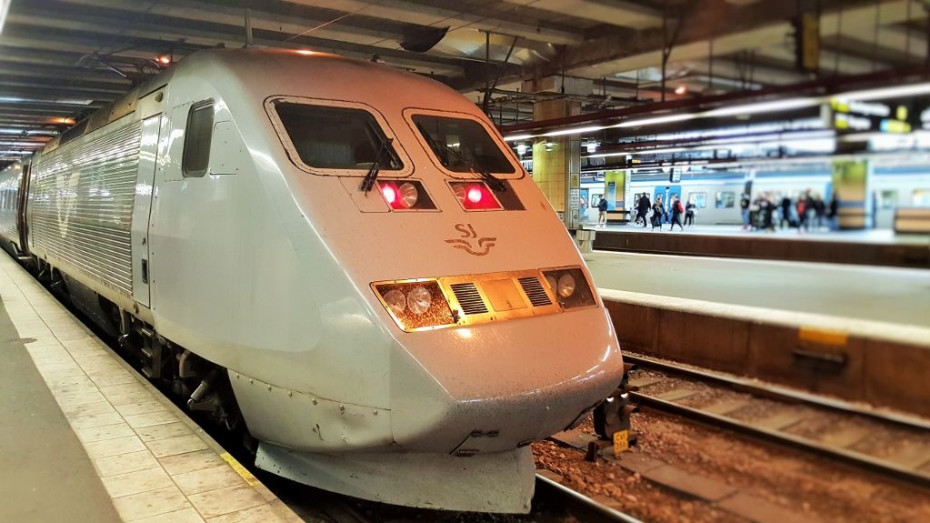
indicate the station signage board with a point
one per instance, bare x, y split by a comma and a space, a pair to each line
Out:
851, 116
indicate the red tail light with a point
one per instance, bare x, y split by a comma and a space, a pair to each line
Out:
475, 196
404, 195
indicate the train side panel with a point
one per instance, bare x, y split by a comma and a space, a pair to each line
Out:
10, 182
81, 204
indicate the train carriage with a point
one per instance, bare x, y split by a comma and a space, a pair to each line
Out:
341, 260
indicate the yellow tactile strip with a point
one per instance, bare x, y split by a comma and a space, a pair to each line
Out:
154, 461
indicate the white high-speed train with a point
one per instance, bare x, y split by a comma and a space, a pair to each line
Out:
344, 258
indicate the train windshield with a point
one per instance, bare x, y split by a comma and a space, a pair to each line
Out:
337, 137
460, 144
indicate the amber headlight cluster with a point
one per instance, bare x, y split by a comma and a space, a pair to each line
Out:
570, 288
415, 305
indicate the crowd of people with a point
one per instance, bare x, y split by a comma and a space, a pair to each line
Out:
805, 212
657, 214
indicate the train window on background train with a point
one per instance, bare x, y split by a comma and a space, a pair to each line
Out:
725, 199
462, 145
197, 139
337, 137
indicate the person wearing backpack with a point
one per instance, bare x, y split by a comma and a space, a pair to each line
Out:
602, 212
677, 209
689, 212
658, 210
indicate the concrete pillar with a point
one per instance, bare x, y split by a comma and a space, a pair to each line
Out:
851, 185
557, 162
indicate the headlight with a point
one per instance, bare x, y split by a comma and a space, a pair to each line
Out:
418, 300
408, 194
396, 301
475, 196
570, 287
566, 285
415, 304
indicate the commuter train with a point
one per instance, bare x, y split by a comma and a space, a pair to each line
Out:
717, 195
340, 259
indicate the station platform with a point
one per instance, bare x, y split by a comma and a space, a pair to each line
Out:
84, 437
862, 247
859, 333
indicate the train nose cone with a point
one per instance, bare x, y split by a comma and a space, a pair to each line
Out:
493, 387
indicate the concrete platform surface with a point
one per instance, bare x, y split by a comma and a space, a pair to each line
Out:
871, 247
83, 437
882, 294
871, 236
47, 474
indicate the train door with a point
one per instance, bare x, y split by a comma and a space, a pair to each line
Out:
142, 207
660, 192
21, 209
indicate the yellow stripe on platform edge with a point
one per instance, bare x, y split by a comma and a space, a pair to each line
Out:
823, 336
242, 471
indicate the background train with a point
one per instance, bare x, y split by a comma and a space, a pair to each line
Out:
338, 259
717, 195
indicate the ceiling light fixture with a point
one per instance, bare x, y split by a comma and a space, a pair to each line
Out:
4, 9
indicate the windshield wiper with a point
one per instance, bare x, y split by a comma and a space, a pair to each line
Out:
493, 182
372, 174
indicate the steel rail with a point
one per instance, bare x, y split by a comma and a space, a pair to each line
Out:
780, 393
891, 469
592, 510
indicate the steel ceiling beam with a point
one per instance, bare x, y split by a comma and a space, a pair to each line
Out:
432, 16
614, 12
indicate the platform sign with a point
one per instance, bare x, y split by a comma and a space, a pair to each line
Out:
851, 116
621, 442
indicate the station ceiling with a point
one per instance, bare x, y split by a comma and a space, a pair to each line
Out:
62, 59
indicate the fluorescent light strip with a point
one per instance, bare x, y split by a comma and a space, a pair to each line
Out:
657, 120
4, 9
562, 132
763, 107
886, 92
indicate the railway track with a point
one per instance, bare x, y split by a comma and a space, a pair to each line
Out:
579, 505
891, 444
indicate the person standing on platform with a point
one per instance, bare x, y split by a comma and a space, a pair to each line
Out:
642, 208
833, 215
689, 212
785, 212
767, 210
602, 212
676, 210
820, 210
744, 210
658, 210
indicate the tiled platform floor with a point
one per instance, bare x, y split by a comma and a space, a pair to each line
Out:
154, 462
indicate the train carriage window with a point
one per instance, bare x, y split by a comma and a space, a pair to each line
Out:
461, 144
725, 200
197, 139
888, 199
920, 198
699, 199
337, 137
